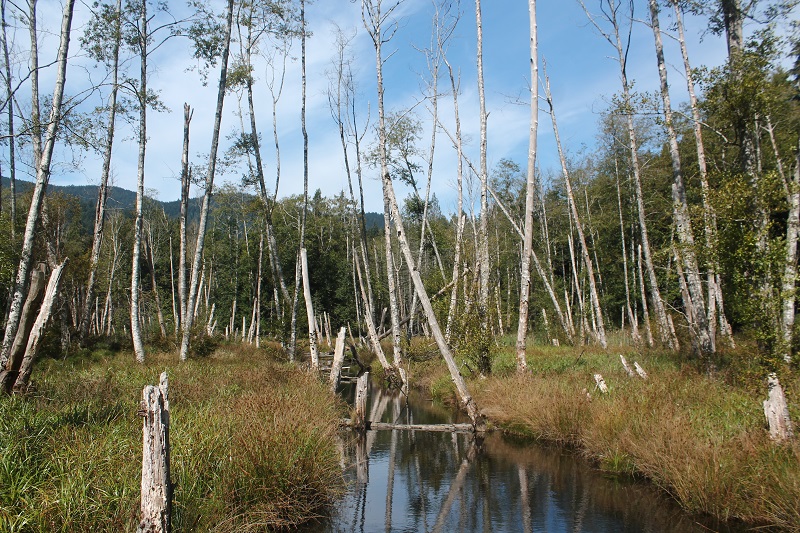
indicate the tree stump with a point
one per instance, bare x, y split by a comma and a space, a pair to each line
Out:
777, 411
601, 383
625, 365
338, 359
362, 387
156, 504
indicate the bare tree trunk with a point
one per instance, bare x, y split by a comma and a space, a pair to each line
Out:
483, 240
159, 313
373, 20
680, 206
634, 323
789, 289
156, 487
186, 181
530, 191
715, 303
312, 330
37, 330
460, 209
615, 39
645, 312
102, 193
42, 178
11, 137
587, 260
209, 186
9, 371
136, 332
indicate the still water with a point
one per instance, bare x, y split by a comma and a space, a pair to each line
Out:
404, 481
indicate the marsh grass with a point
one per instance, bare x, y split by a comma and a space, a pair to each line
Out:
252, 444
702, 439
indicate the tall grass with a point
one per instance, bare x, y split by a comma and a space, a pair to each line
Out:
252, 444
702, 439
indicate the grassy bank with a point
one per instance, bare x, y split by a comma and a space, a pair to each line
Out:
252, 444
702, 439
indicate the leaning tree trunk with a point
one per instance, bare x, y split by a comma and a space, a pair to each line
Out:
530, 191
680, 206
42, 178
209, 186
102, 192
665, 332
373, 20
715, 304
587, 260
9, 372
37, 331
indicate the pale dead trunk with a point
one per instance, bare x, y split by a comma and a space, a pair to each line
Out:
136, 331
777, 411
10, 369
185, 188
683, 223
645, 312
483, 240
709, 216
209, 185
616, 41
11, 138
789, 284
373, 20
637, 338
102, 192
460, 207
312, 329
34, 340
587, 260
338, 359
530, 191
394, 310
42, 177
156, 487
159, 313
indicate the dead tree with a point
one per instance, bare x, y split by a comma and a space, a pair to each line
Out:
156, 494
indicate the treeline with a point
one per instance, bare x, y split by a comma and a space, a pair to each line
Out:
679, 230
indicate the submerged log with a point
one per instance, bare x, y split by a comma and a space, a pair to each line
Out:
156, 500
777, 411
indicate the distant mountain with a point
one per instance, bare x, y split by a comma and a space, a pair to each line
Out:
124, 199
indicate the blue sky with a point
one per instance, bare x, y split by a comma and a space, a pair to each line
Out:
581, 65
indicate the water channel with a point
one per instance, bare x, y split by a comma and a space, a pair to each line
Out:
408, 481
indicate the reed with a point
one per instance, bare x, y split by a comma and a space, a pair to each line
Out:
252, 444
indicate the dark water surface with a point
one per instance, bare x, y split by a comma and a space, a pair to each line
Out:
403, 481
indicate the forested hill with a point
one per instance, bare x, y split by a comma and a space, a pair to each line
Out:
125, 200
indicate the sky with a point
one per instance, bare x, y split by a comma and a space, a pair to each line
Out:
581, 65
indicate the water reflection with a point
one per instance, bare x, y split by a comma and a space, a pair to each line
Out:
442, 482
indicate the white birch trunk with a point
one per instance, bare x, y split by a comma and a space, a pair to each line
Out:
312, 328
37, 330
530, 190
209, 185
42, 178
